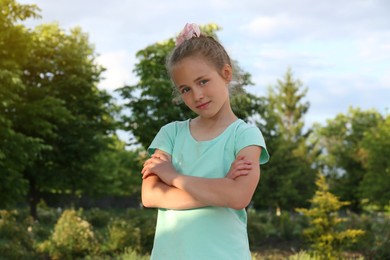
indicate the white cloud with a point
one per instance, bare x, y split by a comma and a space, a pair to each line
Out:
118, 66
375, 47
267, 25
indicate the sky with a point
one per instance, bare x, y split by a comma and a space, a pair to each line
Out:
339, 49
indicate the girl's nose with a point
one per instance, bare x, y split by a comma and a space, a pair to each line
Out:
198, 94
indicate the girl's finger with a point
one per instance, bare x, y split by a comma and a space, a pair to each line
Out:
146, 174
161, 156
146, 162
146, 167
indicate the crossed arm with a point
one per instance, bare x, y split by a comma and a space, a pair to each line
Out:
164, 187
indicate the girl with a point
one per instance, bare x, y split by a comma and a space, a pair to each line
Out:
203, 171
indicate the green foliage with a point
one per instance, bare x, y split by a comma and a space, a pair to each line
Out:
72, 237
128, 234
288, 179
64, 69
16, 238
130, 254
54, 121
98, 218
375, 150
124, 167
325, 240
343, 156
145, 220
265, 226
151, 101
154, 106
259, 227
375, 242
16, 148
132, 229
123, 234
302, 255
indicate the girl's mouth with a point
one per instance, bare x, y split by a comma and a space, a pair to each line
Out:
203, 105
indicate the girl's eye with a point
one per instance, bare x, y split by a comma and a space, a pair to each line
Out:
184, 90
203, 82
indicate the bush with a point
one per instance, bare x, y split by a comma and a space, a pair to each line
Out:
72, 237
145, 219
124, 234
43, 228
324, 234
302, 255
99, 218
16, 239
259, 227
263, 226
130, 254
288, 226
375, 243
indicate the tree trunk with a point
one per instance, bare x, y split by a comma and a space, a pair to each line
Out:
33, 197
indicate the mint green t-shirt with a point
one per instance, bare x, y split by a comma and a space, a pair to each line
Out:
209, 232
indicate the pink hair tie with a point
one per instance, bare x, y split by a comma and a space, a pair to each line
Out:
189, 31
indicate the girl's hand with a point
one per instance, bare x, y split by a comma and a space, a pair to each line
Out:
240, 167
160, 166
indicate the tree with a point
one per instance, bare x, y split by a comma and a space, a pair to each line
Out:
54, 121
16, 148
150, 102
325, 240
288, 179
375, 150
63, 107
119, 170
341, 158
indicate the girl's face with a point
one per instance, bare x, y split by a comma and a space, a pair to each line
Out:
202, 88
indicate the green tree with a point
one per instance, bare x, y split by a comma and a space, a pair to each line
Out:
341, 158
375, 150
120, 170
16, 148
288, 179
63, 106
150, 102
325, 239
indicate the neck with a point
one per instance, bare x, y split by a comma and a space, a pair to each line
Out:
220, 119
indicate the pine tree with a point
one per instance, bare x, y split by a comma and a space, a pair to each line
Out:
326, 240
288, 179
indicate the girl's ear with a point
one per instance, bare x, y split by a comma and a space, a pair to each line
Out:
227, 72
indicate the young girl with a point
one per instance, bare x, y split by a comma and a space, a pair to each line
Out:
203, 171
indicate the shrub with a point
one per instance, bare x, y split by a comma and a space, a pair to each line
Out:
130, 254
16, 240
99, 218
302, 255
326, 241
259, 227
285, 228
266, 227
145, 219
124, 234
72, 237
375, 243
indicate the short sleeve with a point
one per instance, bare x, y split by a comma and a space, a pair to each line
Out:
164, 140
251, 135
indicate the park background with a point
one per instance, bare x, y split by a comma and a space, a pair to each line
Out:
78, 110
